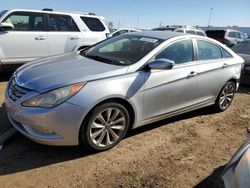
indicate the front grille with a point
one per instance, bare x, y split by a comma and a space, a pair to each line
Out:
15, 91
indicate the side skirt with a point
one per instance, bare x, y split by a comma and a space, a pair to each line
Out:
177, 112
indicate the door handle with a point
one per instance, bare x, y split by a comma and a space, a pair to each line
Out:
40, 38
75, 38
225, 65
192, 74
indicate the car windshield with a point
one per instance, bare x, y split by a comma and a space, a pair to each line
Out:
122, 50
2, 13
242, 47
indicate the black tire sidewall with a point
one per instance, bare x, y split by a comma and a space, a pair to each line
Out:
85, 128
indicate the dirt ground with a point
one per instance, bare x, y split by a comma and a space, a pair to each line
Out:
186, 151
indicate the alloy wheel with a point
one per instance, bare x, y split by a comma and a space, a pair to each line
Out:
226, 96
107, 127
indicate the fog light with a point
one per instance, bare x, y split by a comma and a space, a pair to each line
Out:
37, 129
43, 130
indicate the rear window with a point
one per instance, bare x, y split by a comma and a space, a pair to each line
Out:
200, 33
61, 23
190, 32
216, 33
180, 31
208, 51
233, 34
93, 24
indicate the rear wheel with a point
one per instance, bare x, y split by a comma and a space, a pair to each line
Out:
105, 127
225, 97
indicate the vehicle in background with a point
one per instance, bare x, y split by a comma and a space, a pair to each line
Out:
165, 28
236, 174
191, 30
122, 31
228, 37
95, 96
244, 36
243, 50
112, 30
26, 35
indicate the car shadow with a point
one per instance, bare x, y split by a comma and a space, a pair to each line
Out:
4, 123
5, 76
244, 89
21, 154
212, 180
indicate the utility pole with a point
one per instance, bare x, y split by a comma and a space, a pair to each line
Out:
210, 16
138, 19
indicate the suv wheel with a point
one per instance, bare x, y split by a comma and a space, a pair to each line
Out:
105, 127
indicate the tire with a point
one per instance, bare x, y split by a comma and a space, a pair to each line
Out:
105, 127
225, 97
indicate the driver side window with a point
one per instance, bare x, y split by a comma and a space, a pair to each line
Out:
26, 21
179, 52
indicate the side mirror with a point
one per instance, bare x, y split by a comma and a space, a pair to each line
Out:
6, 27
109, 35
162, 64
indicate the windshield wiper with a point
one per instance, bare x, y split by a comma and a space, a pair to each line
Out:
103, 59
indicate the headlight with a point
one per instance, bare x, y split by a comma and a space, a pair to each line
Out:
54, 97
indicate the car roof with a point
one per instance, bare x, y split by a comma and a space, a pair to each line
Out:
55, 12
164, 35
223, 30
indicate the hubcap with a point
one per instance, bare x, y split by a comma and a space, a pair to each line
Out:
107, 127
226, 96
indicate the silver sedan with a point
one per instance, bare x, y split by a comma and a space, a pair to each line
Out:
94, 96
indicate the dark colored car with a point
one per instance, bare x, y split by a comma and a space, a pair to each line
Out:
236, 174
164, 28
243, 50
227, 36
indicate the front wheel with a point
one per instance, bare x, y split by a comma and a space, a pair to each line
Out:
225, 97
105, 127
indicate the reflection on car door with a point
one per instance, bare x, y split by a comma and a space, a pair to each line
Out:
28, 41
63, 35
171, 90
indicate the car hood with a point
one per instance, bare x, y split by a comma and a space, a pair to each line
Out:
57, 71
237, 172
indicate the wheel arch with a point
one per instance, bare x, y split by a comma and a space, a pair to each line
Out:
235, 80
127, 104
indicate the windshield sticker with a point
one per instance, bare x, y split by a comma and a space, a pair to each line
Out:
148, 40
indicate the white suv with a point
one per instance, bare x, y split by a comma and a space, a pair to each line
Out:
191, 30
26, 35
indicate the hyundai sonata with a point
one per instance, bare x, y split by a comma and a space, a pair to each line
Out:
94, 96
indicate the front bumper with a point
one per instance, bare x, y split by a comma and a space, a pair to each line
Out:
53, 126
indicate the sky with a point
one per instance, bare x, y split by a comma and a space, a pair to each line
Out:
148, 14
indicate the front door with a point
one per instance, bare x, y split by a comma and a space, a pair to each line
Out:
27, 41
171, 90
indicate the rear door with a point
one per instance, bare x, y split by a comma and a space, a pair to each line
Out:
63, 35
213, 69
28, 41
171, 90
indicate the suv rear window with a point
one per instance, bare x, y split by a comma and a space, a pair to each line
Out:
233, 34
61, 23
216, 33
93, 24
